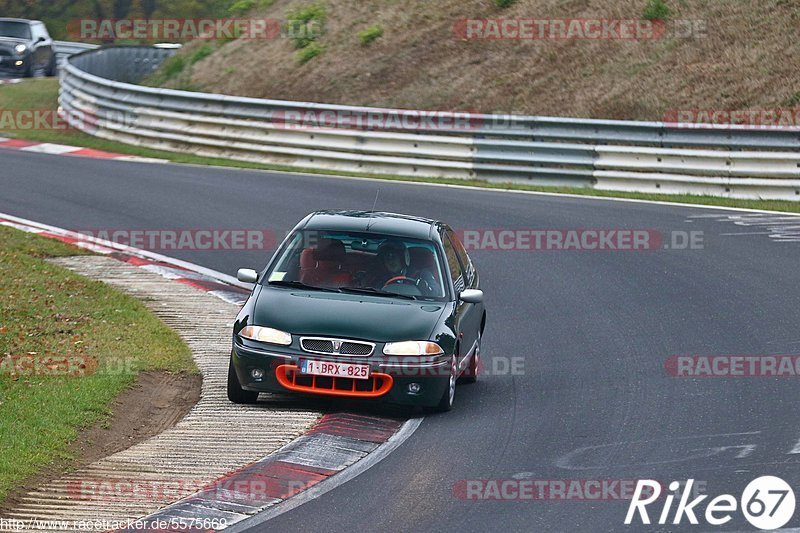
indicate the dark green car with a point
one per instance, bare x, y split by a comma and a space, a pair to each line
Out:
357, 304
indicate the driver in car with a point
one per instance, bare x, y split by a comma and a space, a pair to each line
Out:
394, 261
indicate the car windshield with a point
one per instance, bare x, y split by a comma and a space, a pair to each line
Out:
361, 263
18, 30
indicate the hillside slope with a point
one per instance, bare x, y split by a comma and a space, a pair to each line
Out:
745, 58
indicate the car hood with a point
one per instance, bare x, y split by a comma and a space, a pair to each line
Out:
13, 40
352, 316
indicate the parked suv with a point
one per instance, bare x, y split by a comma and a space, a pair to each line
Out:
26, 47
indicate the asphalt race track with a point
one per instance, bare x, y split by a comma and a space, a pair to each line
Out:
590, 398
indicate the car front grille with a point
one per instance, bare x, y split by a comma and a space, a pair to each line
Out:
329, 346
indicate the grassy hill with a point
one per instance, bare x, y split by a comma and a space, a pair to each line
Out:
407, 54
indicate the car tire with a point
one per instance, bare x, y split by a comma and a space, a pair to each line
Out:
448, 396
236, 393
51, 68
471, 373
27, 72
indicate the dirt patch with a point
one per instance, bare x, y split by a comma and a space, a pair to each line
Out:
156, 402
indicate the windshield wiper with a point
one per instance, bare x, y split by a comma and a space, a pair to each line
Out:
301, 285
376, 292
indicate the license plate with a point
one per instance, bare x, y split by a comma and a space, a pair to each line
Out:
334, 370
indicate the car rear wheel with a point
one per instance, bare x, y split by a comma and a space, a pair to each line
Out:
446, 403
236, 393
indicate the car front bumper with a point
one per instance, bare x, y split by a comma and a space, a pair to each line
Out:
430, 376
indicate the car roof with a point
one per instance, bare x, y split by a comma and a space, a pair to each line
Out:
378, 222
27, 21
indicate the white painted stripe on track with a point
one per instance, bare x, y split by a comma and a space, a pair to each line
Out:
225, 278
51, 148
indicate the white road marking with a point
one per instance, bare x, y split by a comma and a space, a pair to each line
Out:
746, 233
566, 461
796, 448
50, 148
779, 228
23, 223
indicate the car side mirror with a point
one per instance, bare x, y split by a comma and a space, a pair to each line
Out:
41, 40
471, 296
247, 275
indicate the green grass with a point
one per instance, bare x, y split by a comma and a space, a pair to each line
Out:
309, 52
305, 25
504, 3
366, 36
656, 10
43, 93
201, 53
50, 315
240, 7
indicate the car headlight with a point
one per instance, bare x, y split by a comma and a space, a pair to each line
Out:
269, 335
412, 348
20, 48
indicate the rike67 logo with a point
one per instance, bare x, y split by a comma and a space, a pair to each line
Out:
767, 503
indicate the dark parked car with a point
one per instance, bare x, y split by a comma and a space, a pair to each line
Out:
26, 47
363, 305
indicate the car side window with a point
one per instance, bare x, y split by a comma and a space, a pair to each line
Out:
466, 262
453, 265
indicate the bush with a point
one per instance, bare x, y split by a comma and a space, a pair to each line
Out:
173, 66
305, 25
240, 7
201, 53
369, 35
656, 10
309, 52
504, 3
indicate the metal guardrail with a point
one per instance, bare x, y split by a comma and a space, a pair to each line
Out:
99, 94
64, 49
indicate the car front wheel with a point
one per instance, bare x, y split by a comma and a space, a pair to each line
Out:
51, 67
446, 403
236, 393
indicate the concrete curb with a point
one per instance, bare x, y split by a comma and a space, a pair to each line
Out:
337, 442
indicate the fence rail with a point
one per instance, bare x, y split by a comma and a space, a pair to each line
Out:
101, 95
64, 49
